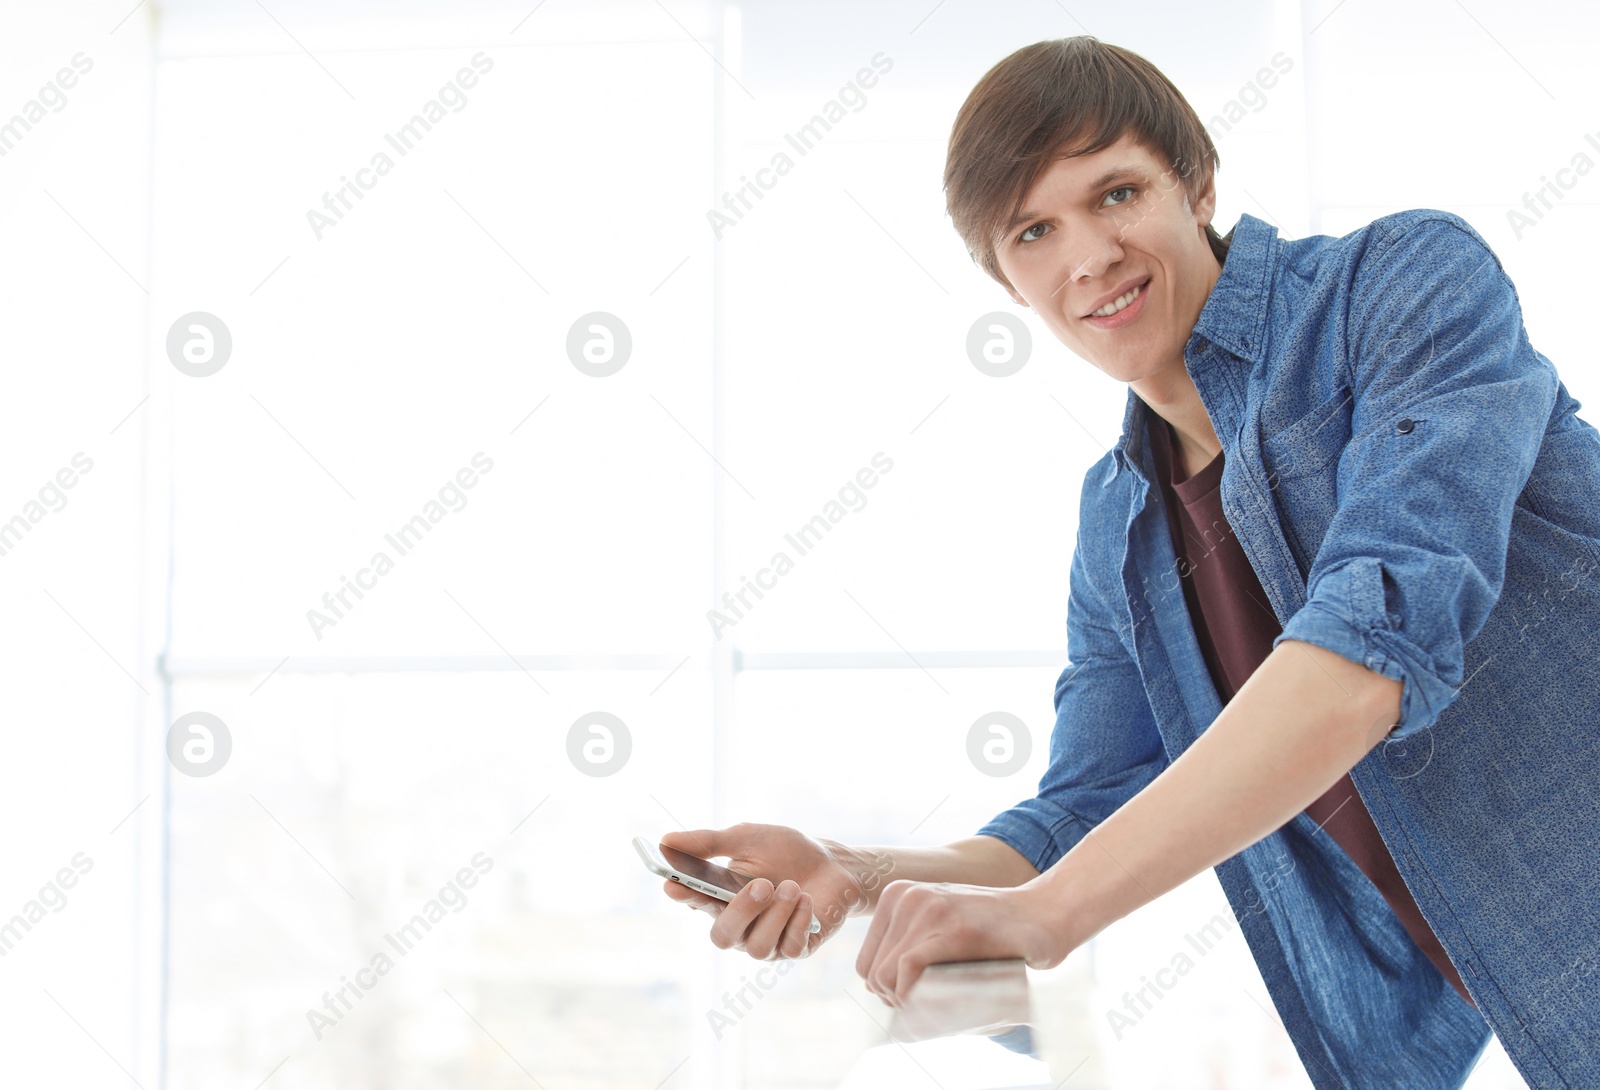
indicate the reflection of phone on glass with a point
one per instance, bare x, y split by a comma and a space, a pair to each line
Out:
696, 873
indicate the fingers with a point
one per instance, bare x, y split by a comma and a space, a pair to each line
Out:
895, 968
907, 969
882, 921
796, 941
899, 945
764, 920
880, 975
706, 843
768, 931
734, 921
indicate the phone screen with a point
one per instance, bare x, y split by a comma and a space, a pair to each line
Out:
695, 867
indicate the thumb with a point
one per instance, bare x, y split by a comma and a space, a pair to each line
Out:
706, 843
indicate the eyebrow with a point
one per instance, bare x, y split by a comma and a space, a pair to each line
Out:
1099, 183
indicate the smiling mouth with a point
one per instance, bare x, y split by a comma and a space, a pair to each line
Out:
1115, 306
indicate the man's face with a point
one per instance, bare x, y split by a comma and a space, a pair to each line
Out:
1097, 225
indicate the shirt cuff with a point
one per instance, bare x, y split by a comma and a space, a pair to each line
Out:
1347, 614
1039, 830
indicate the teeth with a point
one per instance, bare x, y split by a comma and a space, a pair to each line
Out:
1117, 304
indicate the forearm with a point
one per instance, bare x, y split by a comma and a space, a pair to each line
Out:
976, 860
1302, 720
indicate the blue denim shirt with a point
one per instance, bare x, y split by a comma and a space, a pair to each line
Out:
1410, 482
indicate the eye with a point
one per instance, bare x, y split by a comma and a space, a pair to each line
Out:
1121, 188
1028, 233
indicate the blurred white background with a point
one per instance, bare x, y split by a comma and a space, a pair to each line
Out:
424, 730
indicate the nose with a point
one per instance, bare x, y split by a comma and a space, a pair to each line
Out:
1097, 251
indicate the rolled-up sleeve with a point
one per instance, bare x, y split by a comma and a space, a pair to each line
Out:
1104, 746
1450, 405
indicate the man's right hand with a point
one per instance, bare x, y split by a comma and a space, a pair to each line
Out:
795, 877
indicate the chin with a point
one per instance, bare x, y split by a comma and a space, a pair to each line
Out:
1126, 371
1115, 370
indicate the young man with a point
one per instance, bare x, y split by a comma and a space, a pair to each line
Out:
1332, 618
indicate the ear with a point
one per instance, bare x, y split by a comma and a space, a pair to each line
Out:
1205, 203
1011, 291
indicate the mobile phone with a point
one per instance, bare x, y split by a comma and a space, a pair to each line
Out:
698, 874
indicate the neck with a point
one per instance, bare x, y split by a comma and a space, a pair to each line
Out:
1171, 395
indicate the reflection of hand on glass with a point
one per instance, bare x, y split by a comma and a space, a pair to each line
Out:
986, 998
1018, 1039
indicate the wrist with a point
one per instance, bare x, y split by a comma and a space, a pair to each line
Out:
867, 872
1062, 920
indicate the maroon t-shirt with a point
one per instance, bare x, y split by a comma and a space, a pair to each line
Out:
1235, 626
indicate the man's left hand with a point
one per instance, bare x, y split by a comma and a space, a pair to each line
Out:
918, 924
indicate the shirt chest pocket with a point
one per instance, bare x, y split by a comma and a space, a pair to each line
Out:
1301, 462
1309, 444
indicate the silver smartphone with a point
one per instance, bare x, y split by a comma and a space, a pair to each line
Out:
698, 874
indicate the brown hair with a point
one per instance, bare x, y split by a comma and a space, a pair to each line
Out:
1053, 100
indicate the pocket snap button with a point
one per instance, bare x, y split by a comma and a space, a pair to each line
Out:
1405, 425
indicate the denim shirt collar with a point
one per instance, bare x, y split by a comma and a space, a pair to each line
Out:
1233, 320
